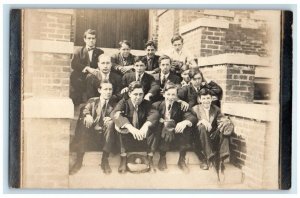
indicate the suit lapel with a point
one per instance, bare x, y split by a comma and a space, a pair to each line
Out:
212, 112
162, 107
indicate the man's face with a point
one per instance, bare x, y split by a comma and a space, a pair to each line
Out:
104, 64
185, 76
90, 40
205, 100
165, 66
170, 95
139, 67
106, 90
196, 80
125, 50
136, 96
150, 50
177, 45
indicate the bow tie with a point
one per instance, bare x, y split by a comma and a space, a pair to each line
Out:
89, 49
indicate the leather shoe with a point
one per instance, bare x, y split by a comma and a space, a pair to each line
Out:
182, 165
204, 165
105, 166
122, 167
75, 168
162, 163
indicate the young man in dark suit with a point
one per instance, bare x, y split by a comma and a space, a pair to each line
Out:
94, 119
103, 73
135, 120
150, 87
214, 130
84, 61
123, 61
151, 60
165, 76
189, 93
175, 125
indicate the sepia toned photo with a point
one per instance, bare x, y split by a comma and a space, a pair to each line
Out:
150, 99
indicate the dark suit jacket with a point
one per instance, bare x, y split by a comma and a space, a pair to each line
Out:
148, 82
154, 65
93, 84
81, 59
177, 114
117, 59
189, 93
92, 105
215, 114
123, 113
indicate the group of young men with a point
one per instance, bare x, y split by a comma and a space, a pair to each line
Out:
151, 102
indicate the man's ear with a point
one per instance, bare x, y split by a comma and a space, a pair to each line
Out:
99, 90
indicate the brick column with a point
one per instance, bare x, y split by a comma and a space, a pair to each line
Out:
47, 108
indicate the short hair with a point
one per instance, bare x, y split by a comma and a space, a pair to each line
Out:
150, 43
164, 57
204, 91
124, 42
89, 31
104, 55
170, 85
194, 71
104, 82
135, 85
176, 38
140, 58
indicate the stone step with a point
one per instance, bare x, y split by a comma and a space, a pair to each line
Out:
91, 176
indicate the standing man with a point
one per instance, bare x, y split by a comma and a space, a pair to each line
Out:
152, 65
84, 62
182, 59
103, 73
95, 119
150, 87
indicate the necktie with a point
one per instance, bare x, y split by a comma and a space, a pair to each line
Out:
198, 89
150, 64
139, 77
90, 49
135, 118
168, 112
104, 107
163, 81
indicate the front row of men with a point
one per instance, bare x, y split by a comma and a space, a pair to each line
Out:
135, 121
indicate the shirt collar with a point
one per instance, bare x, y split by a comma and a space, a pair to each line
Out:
166, 75
136, 75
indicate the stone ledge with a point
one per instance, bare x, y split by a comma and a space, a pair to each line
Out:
204, 22
58, 11
57, 47
46, 107
230, 58
251, 111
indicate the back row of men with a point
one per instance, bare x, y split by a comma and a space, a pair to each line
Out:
149, 101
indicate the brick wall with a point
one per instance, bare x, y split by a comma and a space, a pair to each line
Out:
248, 148
211, 39
46, 70
237, 81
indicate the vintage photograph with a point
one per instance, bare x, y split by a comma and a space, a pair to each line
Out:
150, 99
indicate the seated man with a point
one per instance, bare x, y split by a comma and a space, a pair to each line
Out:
185, 78
165, 75
214, 130
95, 118
134, 119
103, 73
190, 93
151, 60
123, 61
175, 125
84, 61
150, 87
